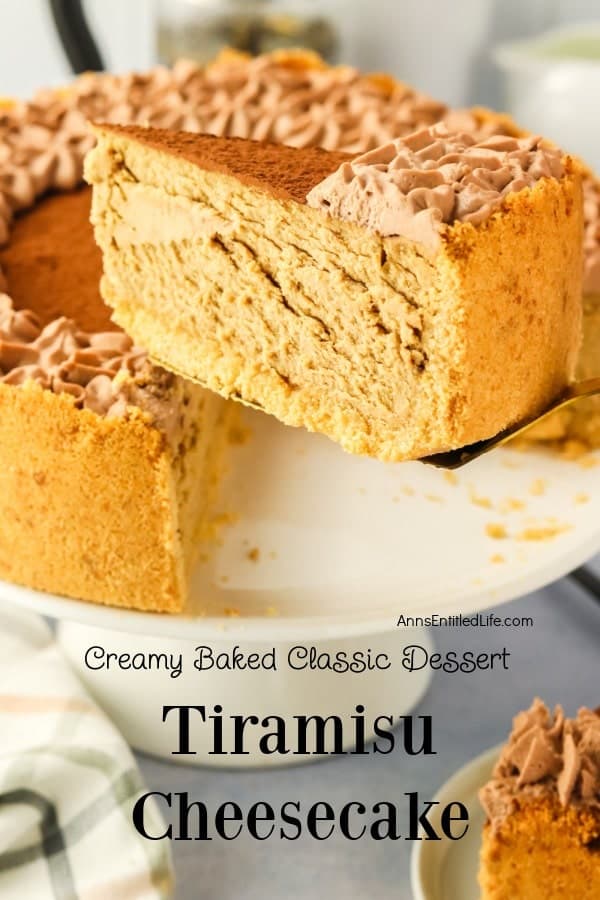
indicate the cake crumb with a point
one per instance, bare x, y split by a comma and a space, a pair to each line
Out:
511, 504
407, 490
451, 477
211, 531
497, 558
271, 611
477, 500
573, 449
231, 612
434, 498
580, 499
253, 554
538, 487
496, 530
272, 554
224, 579
588, 461
542, 532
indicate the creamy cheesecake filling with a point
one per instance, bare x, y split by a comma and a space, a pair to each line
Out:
150, 216
416, 185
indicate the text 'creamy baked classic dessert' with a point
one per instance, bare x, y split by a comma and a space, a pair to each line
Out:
415, 299
542, 836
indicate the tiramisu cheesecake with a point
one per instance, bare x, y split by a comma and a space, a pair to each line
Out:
542, 836
413, 299
64, 528
107, 463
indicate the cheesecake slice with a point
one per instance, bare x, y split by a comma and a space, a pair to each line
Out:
415, 299
541, 840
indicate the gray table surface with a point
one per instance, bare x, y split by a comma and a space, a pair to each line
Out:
557, 659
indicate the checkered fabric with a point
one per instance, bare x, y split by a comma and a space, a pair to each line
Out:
68, 783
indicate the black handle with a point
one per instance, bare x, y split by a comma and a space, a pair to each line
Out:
588, 581
80, 47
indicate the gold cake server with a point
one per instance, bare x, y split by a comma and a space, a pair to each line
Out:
454, 459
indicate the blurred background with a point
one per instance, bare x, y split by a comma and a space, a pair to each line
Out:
438, 45
444, 48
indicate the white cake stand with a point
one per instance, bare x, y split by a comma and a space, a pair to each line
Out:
326, 550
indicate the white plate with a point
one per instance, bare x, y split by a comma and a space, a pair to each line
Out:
447, 870
346, 544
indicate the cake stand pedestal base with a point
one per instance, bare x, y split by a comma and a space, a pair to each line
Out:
134, 698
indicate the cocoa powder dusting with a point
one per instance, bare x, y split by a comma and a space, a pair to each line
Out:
52, 264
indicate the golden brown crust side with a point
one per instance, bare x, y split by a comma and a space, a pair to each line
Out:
87, 504
576, 428
542, 852
522, 322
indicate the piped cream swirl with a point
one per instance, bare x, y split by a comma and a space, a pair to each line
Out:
64, 359
283, 98
415, 185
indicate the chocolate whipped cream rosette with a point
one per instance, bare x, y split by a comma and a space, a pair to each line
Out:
413, 186
542, 806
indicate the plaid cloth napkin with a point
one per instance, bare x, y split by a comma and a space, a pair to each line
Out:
68, 783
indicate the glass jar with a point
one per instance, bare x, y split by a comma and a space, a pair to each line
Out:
198, 29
